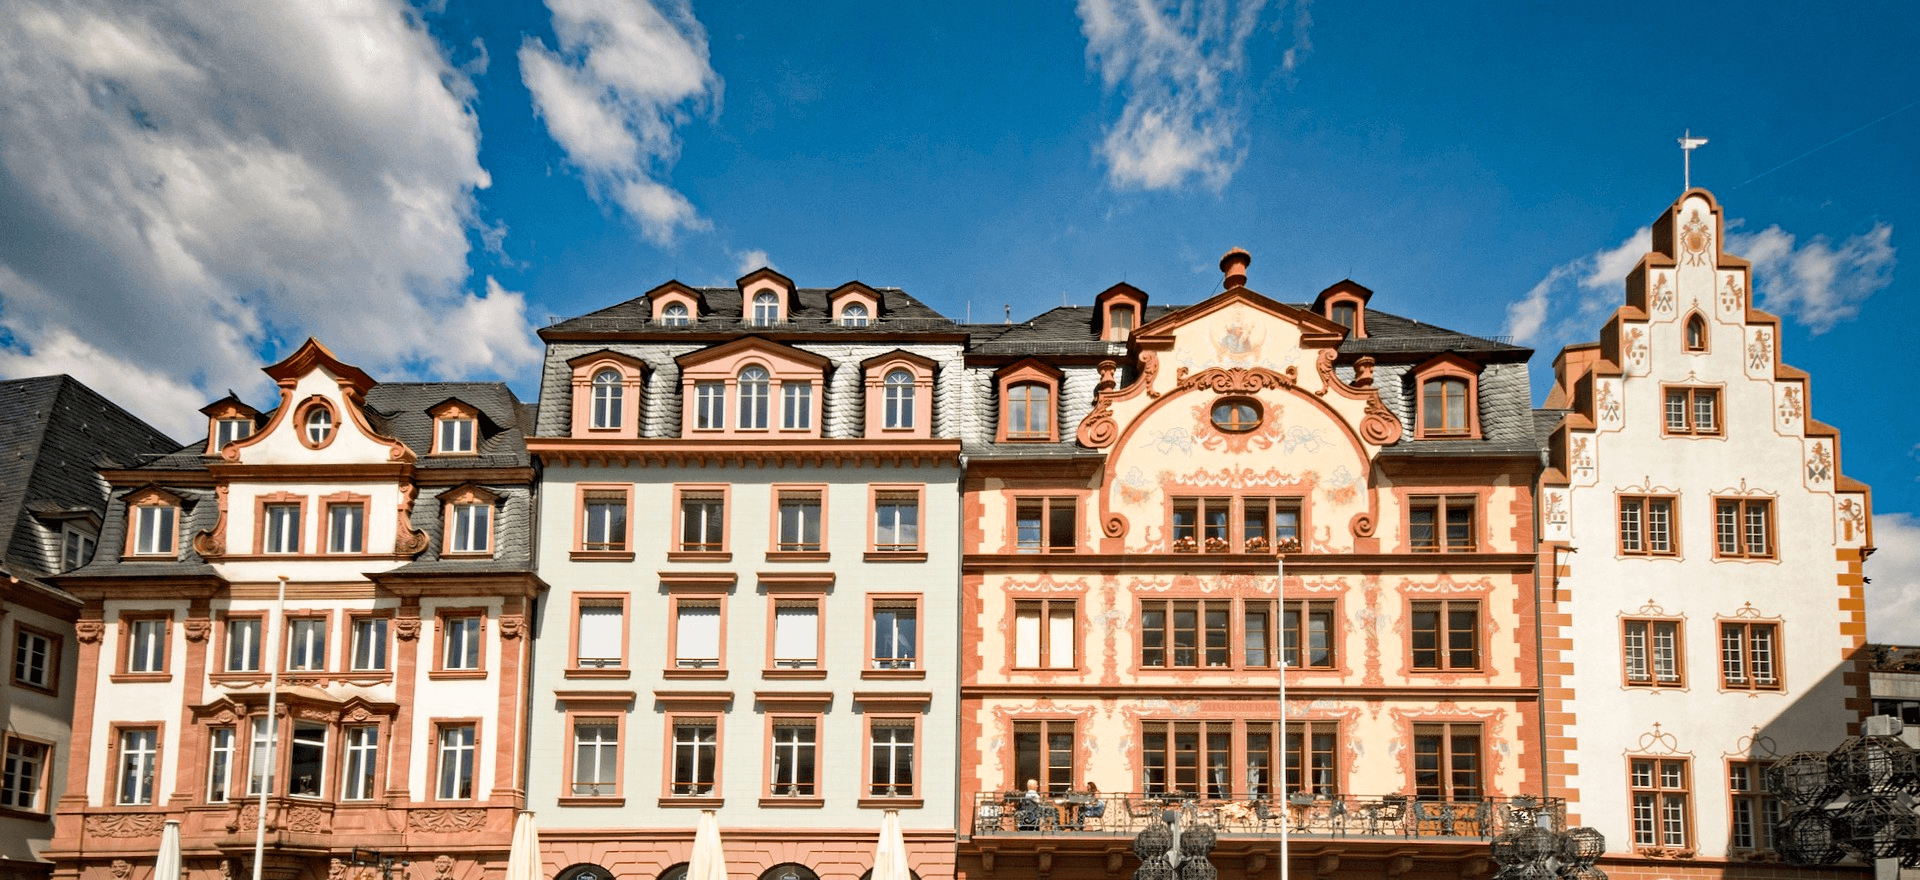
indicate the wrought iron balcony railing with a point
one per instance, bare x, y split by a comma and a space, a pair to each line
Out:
1379, 816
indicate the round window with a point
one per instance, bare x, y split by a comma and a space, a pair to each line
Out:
1236, 415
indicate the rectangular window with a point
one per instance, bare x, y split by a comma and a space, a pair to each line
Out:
1185, 633
1043, 751
1747, 656
896, 522
1201, 524
891, 740
796, 406
697, 635
1446, 762
796, 634
243, 644
363, 759
799, 521
307, 643
601, 635
229, 430
1257, 634
606, 521
24, 775
1439, 523
1646, 525
1309, 626
1743, 528
455, 762
709, 406
793, 758
346, 528
1313, 747
456, 435
1187, 756
896, 642
1652, 652
596, 757
154, 529
147, 644
260, 770
369, 635
36, 657
139, 761
1660, 801
307, 760
1693, 411
1045, 525
220, 755
1755, 809
703, 522
1446, 635
1043, 634
472, 528
76, 548
1267, 524
460, 642
282, 523
696, 754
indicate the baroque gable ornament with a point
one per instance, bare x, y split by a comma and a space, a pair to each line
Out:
1694, 239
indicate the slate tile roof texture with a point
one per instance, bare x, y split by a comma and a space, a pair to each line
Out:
812, 312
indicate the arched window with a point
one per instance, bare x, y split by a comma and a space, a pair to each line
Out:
1029, 412
766, 309
1443, 406
607, 394
899, 386
753, 398
674, 315
1236, 415
1342, 313
1119, 321
853, 315
1696, 333
319, 425
789, 871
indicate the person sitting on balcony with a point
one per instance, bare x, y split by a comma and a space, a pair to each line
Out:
1093, 807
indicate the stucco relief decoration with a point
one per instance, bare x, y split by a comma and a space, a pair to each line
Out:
442, 867
1046, 584
1746, 611
1379, 426
1115, 525
1853, 519
1556, 512
1652, 609
212, 544
1820, 463
126, 825
1582, 456
1371, 621
1236, 380
88, 631
1755, 745
121, 869
1493, 721
1634, 340
307, 819
512, 626
1759, 351
1608, 401
1732, 294
406, 629
1791, 409
1657, 742
1695, 238
1361, 525
1265, 436
445, 822
196, 628
408, 540
1098, 430
1662, 295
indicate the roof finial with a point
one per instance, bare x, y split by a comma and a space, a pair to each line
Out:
1688, 143
1235, 264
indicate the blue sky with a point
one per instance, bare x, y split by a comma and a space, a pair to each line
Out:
188, 188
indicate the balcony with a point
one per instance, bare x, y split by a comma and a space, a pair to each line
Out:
1381, 817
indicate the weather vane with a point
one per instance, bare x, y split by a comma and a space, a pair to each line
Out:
1689, 143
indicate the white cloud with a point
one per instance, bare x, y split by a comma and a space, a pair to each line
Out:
1179, 70
1893, 599
749, 260
626, 76
1816, 283
191, 185
1574, 299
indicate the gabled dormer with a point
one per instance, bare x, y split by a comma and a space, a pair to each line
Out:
1345, 303
606, 394
751, 388
766, 298
154, 520
1447, 399
899, 395
229, 420
1029, 402
1118, 311
854, 305
321, 419
459, 427
676, 305
468, 513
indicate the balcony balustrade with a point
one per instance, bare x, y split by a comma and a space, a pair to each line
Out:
1118, 814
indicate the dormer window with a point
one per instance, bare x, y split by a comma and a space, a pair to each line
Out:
853, 315
755, 384
456, 434
1696, 333
76, 547
469, 514
607, 394
1342, 313
675, 315
766, 309
1029, 412
1448, 398
1120, 322
227, 431
1345, 304
153, 523
751, 387
899, 399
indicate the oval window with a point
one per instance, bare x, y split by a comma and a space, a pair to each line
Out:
1236, 415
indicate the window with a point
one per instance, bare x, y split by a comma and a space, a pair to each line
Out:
471, 529
1755, 809
318, 426
307, 643
1446, 635
605, 527
1043, 632
799, 521
1651, 649
596, 757
227, 431
139, 759
1747, 652
899, 399
697, 635
1268, 524
1236, 415
1044, 750
896, 642
1743, 528
896, 522
243, 644
1446, 762
260, 770
703, 521
363, 759
346, 528
1438, 523
1044, 525
1342, 313
1646, 526
456, 434
696, 753
1120, 320
853, 315
1188, 756
796, 406
674, 315
1693, 411
76, 548
282, 528
1696, 333
754, 384
1201, 523
460, 641
793, 758
1030, 412
1312, 747
153, 529
1443, 406
369, 644
796, 634
891, 742
709, 405
1308, 625
220, 754
456, 762
307, 759
147, 645
1256, 626
23, 777
1185, 633
608, 394
600, 637
766, 309
36, 658
1660, 802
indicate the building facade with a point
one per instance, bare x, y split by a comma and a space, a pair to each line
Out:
1708, 616
749, 503
395, 520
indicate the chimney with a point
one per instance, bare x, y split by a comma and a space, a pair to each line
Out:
1235, 264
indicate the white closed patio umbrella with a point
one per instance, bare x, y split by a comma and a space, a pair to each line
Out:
523, 859
890, 854
709, 861
166, 865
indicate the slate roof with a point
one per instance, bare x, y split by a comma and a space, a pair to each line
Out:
810, 312
1544, 421
1066, 330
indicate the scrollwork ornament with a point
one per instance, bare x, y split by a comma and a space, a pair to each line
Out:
1379, 426
1115, 526
125, 824
1361, 525
1097, 430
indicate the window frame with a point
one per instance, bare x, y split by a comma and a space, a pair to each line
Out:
883, 493
1445, 369
444, 618
304, 620
1169, 609
1044, 650
129, 629
764, 308
230, 429
345, 501
1747, 787
779, 547
116, 790
454, 505
48, 680
1448, 733
679, 666
224, 643
892, 666
679, 549
1443, 507
1638, 538
795, 667
1028, 373
441, 727
710, 791
306, 419
1660, 796
456, 429
1208, 735
604, 409
912, 795
847, 318
265, 508
792, 391
618, 667
814, 794
1020, 399
154, 502
1744, 656
1741, 535
74, 537
1648, 628
667, 317
1690, 395
1046, 757
1444, 649
40, 787
1689, 341
1048, 504
753, 398
222, 772
898, 387
355, 619
585, 496
347, 751
599, 716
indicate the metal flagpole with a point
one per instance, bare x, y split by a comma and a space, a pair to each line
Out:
1280, 587
1689, 143
273, 705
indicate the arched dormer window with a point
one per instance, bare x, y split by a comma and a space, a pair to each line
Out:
754, 389
674, 315
899, 395
1343, 313
751, 387
899, 398
608, 395
1345, 303
1121, 319
853, 315
229, 421
1117, 312
1447, 401
1029, 403
1696, 333
456, 428
766, 309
